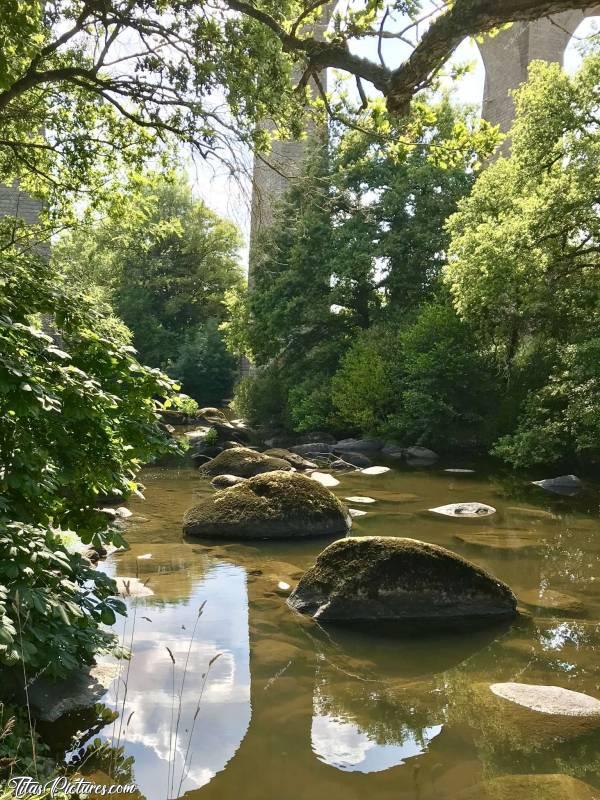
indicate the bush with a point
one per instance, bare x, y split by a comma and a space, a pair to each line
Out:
78, 417
563, 417
261, 398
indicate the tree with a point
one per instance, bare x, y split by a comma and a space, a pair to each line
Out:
89, 85
358, 240
525, 257
164, 261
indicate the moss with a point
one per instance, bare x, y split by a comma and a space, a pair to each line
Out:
392, 578
271, 505
242, 462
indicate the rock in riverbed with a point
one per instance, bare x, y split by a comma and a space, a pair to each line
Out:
225, 481
243, 463
357, 446
564, 484
294, 459
464, 510
375, 578
275, 505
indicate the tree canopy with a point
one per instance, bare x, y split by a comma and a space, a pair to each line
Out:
85, 83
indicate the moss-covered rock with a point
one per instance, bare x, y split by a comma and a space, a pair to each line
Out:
215, 413
294, 459
243, 462
225, 481
375, 578
274, 505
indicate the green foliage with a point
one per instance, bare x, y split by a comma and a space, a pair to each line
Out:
260, 398
359, 242
562, 419
22, 752
78, 417
181, 402
420, 381
164, 261
524, 265
204, 366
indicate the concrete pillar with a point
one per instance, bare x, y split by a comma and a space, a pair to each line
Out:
507, 56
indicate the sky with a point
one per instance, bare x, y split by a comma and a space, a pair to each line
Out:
231, 199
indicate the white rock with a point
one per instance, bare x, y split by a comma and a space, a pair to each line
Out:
471, 509
124, 513
374, 470
144, 557
356, 512
548, 699
457, 471
324, 479
358, 499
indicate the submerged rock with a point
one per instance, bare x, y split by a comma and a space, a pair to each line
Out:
501, 539
376, 578
564, 484
552, 700
243, 463
294, 459
271, 506
132, 587
551, 601
464, 510
225, 481
532, 787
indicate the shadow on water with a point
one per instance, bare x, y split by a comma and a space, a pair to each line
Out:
292, 709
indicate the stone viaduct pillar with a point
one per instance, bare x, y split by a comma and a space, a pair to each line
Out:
272, 173
507, 56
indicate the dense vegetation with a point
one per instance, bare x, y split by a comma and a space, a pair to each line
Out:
409, 296
164, 262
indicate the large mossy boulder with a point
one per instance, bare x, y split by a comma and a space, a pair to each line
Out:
243, 463
275, 505
374, 578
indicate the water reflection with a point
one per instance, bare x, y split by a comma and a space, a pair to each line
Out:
149, 708
291, 709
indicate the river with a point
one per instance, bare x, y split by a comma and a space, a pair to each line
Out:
291, 710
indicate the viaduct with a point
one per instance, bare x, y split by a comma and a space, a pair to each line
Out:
506, 58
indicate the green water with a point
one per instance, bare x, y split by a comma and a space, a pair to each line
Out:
290, 710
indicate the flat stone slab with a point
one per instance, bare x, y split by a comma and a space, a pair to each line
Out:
470, 509
500, 539
375, 471
457, 471
548, 699
549, 600
359, 499
357, 512
324, 478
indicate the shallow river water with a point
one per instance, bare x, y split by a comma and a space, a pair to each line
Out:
291, 710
